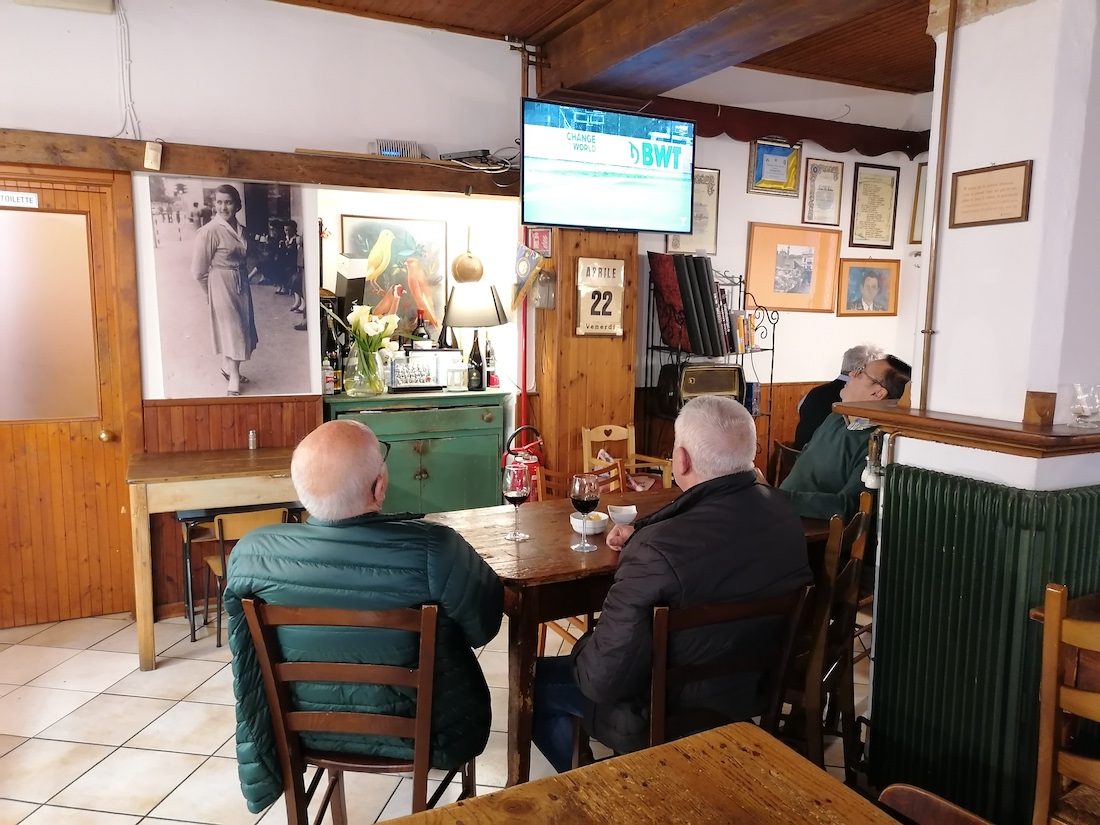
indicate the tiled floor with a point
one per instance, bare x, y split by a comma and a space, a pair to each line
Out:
88, 739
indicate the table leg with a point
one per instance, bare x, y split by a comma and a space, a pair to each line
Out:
143, 575
522, 639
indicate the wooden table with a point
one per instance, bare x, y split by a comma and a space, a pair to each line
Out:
167, 482
544, 580
733, 774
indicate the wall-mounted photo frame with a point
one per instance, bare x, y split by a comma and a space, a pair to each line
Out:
404, 264
995, 194
822, 191
774, 167
792, 267
916, 222
874, 205
868, 287
704, 216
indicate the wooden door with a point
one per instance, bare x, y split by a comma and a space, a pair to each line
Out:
64, 521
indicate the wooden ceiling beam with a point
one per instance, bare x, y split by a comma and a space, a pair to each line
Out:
642, 48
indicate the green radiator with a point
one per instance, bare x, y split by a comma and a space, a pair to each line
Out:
956, 672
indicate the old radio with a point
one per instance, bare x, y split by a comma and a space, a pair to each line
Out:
679, 383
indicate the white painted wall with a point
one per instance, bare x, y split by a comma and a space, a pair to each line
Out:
254, 74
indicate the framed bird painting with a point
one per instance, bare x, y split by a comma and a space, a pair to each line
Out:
405, 267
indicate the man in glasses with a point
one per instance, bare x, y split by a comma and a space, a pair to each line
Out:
350, 555
826, 478
817, 405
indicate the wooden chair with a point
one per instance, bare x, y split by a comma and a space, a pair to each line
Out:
231, 527
194, 528
1067, 785
556, 485
289, 724
865, 601
923, 808
782, 460
633, 461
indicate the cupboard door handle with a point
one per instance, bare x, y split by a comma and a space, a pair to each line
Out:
423, 474
487, 416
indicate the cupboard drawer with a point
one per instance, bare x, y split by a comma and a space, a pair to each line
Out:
420, 422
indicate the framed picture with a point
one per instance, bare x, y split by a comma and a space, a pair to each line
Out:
996, 194
868, 287
916, 222
538, 238
773, 167
704, 217
822, 191
403, 263
874, 205
792, 267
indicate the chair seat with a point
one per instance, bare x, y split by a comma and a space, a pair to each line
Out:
215, 565
1081, 806
330, 760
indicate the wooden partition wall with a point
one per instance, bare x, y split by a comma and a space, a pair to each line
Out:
212, 424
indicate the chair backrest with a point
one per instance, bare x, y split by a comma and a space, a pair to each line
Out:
782, 460
289, 724
924, 808
1059, 696
602, 434
232, 526
774, 660
551, 484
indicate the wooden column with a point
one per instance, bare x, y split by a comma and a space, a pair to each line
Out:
585, 380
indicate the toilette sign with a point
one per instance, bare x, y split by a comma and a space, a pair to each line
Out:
600, 284
23, 200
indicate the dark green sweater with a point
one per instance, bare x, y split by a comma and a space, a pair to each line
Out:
825, 480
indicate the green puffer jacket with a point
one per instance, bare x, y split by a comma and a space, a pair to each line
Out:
372, 562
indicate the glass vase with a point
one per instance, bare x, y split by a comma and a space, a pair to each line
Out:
364, 375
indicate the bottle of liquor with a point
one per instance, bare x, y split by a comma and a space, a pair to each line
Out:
474, 377
422, 341
328, 377
491, 378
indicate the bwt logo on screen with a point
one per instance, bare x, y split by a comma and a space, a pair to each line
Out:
660, 155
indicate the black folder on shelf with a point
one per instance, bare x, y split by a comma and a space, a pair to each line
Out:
693, 309
705, 283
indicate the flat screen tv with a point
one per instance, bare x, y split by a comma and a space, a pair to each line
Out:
600, 169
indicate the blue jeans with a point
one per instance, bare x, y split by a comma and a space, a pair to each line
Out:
558, 701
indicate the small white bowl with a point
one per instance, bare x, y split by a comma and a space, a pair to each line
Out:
597, 522
622, 514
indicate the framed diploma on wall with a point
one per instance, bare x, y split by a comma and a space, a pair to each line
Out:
822, 191
874, 206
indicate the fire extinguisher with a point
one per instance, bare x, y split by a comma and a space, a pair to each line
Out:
525, 453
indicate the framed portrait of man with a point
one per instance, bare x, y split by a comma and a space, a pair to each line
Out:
868, 287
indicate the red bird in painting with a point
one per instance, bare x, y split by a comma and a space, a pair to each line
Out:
422, 292
387, 304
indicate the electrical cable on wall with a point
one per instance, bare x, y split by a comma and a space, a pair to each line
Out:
131, 127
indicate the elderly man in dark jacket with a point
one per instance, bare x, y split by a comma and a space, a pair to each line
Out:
352, 556
726, 539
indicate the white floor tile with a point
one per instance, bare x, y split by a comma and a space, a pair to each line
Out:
10, 743
107, 720
495, 667
22, 663
14, 635
52, 815
4, 647
128, 781
93, 670
77, 633
165, 634
400, 803
212, 794
172, 679
27, 711
498, 697
204, 648
217, 690
500, 641
6, 689
228, 748
367, 796
189, 727
12, 812
492, 765
38, 769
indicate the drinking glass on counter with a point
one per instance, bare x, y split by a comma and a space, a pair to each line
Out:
584, 492
516, 487
1085, 406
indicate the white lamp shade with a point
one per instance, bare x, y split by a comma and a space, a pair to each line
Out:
474, 305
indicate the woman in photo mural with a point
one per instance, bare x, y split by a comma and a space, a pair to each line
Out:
219, 265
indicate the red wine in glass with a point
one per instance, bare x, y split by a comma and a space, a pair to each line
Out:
516, 486
584, 492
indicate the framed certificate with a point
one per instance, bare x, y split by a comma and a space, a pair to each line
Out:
704, 216
996, 194
774, 167
600, 283
874, 206
916, 222
822, 191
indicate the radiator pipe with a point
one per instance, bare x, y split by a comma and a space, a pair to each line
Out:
933, 232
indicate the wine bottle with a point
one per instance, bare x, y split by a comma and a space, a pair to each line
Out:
491, 378
474, 367
422, 341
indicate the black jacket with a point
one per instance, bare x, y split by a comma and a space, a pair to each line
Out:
724, 540
815, 408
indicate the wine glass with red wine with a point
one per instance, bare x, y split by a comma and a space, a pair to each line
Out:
516, 487
585, 494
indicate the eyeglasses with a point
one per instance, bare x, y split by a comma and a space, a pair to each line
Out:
863, 371
385, 445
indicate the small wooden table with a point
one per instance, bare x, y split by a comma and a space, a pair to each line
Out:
167, 482
544, 580
733, 774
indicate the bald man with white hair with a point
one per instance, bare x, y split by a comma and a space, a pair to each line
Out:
725, 539
353, 556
